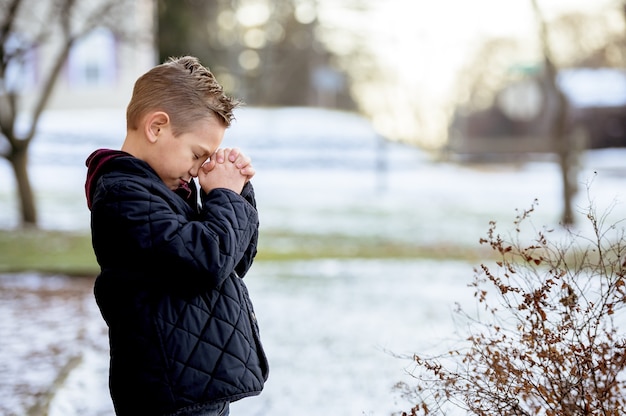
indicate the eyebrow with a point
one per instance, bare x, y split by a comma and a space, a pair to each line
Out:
206, 151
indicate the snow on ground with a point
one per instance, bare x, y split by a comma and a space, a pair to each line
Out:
330, 329
328, 325
45, 323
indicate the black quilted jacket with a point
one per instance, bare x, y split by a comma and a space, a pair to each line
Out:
182, 328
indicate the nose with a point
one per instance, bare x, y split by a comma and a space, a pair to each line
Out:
194, 171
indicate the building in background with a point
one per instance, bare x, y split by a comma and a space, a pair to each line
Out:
518, 122
101, 67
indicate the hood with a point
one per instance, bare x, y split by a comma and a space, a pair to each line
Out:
96, 166
99, 163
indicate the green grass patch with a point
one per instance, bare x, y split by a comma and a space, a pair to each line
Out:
71, 253
47, 252
287, 246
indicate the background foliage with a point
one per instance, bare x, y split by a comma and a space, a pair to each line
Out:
545, 340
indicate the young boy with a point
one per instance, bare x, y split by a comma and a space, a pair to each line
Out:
183, 336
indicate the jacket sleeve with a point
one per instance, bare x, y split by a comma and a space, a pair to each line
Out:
246, 261
146, 226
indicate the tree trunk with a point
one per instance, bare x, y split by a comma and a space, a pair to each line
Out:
19, 162
566, 155
559, 121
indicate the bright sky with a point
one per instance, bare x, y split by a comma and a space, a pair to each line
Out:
423, 44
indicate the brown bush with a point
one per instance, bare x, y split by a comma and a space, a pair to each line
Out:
545, 340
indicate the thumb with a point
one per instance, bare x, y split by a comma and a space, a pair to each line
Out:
209, 166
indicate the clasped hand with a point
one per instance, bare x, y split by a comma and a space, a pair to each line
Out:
227, 168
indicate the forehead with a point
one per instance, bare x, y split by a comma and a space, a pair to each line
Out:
207, 133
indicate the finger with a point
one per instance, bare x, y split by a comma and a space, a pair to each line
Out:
234, 154
242, 161
248, 171
219, 156
209, 165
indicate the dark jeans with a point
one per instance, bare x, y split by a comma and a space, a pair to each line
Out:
218, 409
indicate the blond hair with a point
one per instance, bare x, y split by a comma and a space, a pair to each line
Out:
185, 90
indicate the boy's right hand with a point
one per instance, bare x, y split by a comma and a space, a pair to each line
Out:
224, 170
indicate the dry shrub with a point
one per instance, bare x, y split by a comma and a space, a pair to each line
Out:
545, 339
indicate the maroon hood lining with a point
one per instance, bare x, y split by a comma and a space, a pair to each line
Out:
95, 167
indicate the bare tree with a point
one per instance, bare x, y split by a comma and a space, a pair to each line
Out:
26, 26
558, 131
571, 40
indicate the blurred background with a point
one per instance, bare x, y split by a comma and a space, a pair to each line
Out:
386, 136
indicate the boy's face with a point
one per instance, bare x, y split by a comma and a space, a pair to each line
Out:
177, 159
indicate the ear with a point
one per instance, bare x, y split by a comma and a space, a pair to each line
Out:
154, 124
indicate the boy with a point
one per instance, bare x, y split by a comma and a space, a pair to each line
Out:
182, 331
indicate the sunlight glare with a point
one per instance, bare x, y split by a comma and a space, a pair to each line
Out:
253, 13
421, 47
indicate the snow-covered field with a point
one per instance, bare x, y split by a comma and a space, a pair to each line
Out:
329, 326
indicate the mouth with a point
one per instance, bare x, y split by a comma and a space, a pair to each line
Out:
183, 189
183, 184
